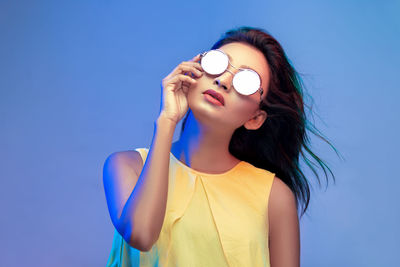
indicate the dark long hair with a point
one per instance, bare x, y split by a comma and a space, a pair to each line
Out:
277, 145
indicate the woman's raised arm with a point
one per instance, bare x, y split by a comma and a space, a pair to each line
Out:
137, 198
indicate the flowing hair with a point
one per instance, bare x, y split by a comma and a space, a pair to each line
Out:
277, 145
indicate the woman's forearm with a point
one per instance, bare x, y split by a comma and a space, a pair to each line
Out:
143, 214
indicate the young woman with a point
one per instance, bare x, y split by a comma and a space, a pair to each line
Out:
227, 192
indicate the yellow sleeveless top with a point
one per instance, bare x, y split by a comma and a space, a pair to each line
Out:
210, 220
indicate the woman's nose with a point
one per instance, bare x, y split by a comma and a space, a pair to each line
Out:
225, 79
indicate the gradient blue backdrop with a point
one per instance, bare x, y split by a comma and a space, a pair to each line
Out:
81, 79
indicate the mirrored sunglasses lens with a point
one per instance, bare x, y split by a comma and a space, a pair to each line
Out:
214, 62
246, 82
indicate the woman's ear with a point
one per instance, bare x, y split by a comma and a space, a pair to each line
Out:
256, 122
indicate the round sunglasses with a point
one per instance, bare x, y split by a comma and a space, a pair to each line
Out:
245, 81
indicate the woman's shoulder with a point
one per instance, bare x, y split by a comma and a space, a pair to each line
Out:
284, 230
281, 192
131, 158
250, 168
282, 204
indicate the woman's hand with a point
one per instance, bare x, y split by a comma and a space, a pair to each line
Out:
175, 87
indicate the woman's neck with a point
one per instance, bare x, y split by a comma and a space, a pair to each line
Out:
203, 149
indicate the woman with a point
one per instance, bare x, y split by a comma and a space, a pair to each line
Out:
227, 192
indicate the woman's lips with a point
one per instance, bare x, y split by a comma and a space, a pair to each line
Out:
215, 95
212, 100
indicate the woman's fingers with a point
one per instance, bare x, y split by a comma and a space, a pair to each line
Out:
177, 81
193, 67
175, 87
196, 58
183, 78
186, 65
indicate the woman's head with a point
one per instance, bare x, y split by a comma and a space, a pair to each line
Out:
238, 109
277, 136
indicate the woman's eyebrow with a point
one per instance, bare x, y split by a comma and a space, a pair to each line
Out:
245, 66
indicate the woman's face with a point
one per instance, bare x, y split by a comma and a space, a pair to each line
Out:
237, 109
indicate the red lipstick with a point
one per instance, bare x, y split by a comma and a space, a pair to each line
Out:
215, 95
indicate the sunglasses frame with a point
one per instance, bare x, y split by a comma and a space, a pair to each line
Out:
260, 89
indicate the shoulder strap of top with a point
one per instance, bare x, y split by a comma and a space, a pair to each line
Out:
143, 152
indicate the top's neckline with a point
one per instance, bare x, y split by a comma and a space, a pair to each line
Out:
203, 173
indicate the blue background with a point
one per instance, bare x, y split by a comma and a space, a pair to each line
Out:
81, 79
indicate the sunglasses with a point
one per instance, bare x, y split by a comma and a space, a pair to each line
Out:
245, 81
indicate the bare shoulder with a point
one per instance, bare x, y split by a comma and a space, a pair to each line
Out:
281, 194
129, 159
284, 233
120, 174
281, 204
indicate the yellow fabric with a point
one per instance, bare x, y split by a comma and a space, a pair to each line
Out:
211, 220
